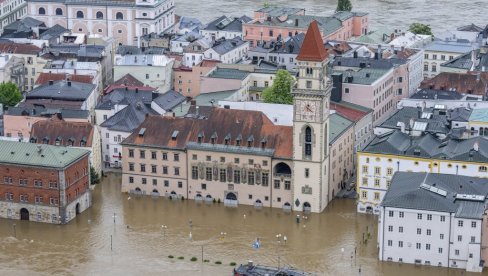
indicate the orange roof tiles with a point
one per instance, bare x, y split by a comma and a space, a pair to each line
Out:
313, 46
46, 77
460, 82
56, 127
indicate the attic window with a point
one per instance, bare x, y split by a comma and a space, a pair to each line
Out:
249, 141
416, 152
200, 137
58, 141
227, 139
213, 138
71, 142
45, 140
83, 142
263, 143
174, 135
238, 141
33, 139
142, 131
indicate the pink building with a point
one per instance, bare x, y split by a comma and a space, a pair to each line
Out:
187, 81
270, 24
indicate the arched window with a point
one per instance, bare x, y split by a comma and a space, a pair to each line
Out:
119, 16
59, 11
42, 11
308, 142
99, 15
309, 71
79, 14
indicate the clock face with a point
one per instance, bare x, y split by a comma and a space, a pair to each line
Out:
308, 108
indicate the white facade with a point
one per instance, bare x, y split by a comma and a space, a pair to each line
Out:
375, 171
153, 70
415, 72
429, 238
125, 22
216, 34
232, 56
111, 148
448, 104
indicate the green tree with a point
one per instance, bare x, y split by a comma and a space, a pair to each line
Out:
419, 28
343, 5
94, 177
9, 94
266, 4
280, 91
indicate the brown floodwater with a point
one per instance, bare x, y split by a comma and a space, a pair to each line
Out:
140, 246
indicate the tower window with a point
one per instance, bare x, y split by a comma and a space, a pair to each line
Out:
308, 142
309, 71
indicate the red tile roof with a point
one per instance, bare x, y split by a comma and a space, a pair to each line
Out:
128, 80
348, 111
46, 77
313, 46
221, 123
57, 128
17, 48
460, 82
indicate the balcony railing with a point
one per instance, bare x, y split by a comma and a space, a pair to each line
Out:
285, 175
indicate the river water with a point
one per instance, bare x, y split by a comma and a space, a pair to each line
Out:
141, 247
440, 14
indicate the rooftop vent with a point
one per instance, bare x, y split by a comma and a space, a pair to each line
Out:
174, 135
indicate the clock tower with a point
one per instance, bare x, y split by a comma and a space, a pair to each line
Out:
311, 125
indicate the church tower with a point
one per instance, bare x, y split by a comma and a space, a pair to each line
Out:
311, 125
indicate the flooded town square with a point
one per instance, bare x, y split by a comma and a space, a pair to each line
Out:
322, 243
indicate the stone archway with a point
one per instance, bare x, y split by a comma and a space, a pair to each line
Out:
77, 208
24, 214
231, 196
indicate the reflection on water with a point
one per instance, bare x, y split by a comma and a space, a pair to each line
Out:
440, 14
140, 246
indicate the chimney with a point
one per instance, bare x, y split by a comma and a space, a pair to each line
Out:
193, 102
51, 82
250, 263
476, 146
379, 52
402, 126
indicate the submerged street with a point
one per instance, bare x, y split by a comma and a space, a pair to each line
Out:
323, 243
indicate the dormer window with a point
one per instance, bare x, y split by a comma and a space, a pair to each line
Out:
174, 135
45, 140
250, 140
71, 142
227, 139
213, 138
33, 139
58, 141
263, 143
238, 140
83, 142
200, 138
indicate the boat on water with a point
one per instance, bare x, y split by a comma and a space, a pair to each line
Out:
250, 269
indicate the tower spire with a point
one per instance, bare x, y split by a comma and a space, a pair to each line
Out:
313, 45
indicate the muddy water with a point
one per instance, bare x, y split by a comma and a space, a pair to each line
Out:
140, 246
440, 14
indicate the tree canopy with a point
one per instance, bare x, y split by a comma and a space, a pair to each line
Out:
9, 94
419, 28
280, 91
343, 5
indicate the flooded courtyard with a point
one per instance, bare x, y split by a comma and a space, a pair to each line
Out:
122, 235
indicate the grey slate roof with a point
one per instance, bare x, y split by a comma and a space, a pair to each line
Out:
292, 45
134, 50
277, 11
460, 62
190, 23
95, 51
428, 146
450, 47
365, 62
338, 124
125, 97
48, 112
227, 24
424, 191
327, 25
433, 94
228, 73
436, 123
129, 118
460, 114
227, 45
62, 90
54, 31
24, 25
365, 76
169, 100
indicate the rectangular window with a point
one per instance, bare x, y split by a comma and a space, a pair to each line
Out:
153, 155
208, 158
390, 213
427, 246
165, 156
131, 167
429, 217
400, 244
376, 182
473, 239
389, 171
177, 171
194, 172
237, 176
176, 157
166, 183
204, 186
376, 196
277, 184
419, 231
250, 178
194, 157
365, 169
440, 250
473, 224
180, 184
155, 182
365, 181
460, 223
419, 216
377, 170
223, 175
460, 238
364, 194
265, 179
388, 183
236, 160
143, 167
142, 154
429, 232
131, 179
390, 228
443, 218
165, 170
144, 180
400, 229
418, 245
390, 242
441, 236
131, 153
208, 174
153, 168
401, 214
456, 252
307, 172
287, 185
